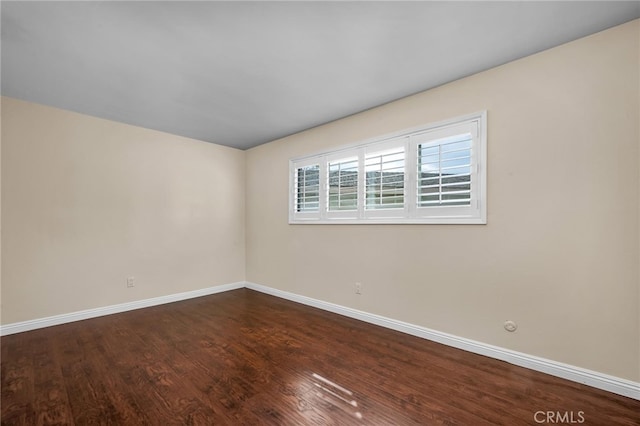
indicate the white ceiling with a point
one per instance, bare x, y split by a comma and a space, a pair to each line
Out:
245, 73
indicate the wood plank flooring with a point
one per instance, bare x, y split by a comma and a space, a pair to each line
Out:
245, 358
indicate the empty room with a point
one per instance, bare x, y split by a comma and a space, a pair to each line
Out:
320, 213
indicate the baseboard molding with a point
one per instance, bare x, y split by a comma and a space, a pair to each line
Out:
576, 374
19, 327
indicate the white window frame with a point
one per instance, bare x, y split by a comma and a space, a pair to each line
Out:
474, 213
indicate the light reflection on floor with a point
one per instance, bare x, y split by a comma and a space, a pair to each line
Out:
329, 390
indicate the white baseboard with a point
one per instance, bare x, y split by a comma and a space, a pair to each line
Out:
19, 327
576, 374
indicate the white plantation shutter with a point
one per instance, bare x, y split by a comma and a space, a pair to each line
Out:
384, 174
444, 171
307, 187
430, 174
449, 177
343, 184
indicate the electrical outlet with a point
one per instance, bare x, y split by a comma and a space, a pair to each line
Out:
131, 282
358, 288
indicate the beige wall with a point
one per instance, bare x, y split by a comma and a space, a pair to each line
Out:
560, 252
87, 202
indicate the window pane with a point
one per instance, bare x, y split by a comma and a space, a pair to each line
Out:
308, 188
444, 172
385, 179
343, 184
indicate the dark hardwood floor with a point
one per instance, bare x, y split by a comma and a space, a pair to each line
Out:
245, 358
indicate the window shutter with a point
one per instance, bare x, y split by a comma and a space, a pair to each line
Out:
307, 187
444, 171
343, 184
384, 179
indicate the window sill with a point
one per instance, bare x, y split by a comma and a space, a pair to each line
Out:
380, 221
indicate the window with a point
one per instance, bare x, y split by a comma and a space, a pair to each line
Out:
343, 184
308, 188
384, 179
431, 174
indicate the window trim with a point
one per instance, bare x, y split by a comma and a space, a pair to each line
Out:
476, 213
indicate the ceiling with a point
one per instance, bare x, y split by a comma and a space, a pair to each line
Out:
244, 73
